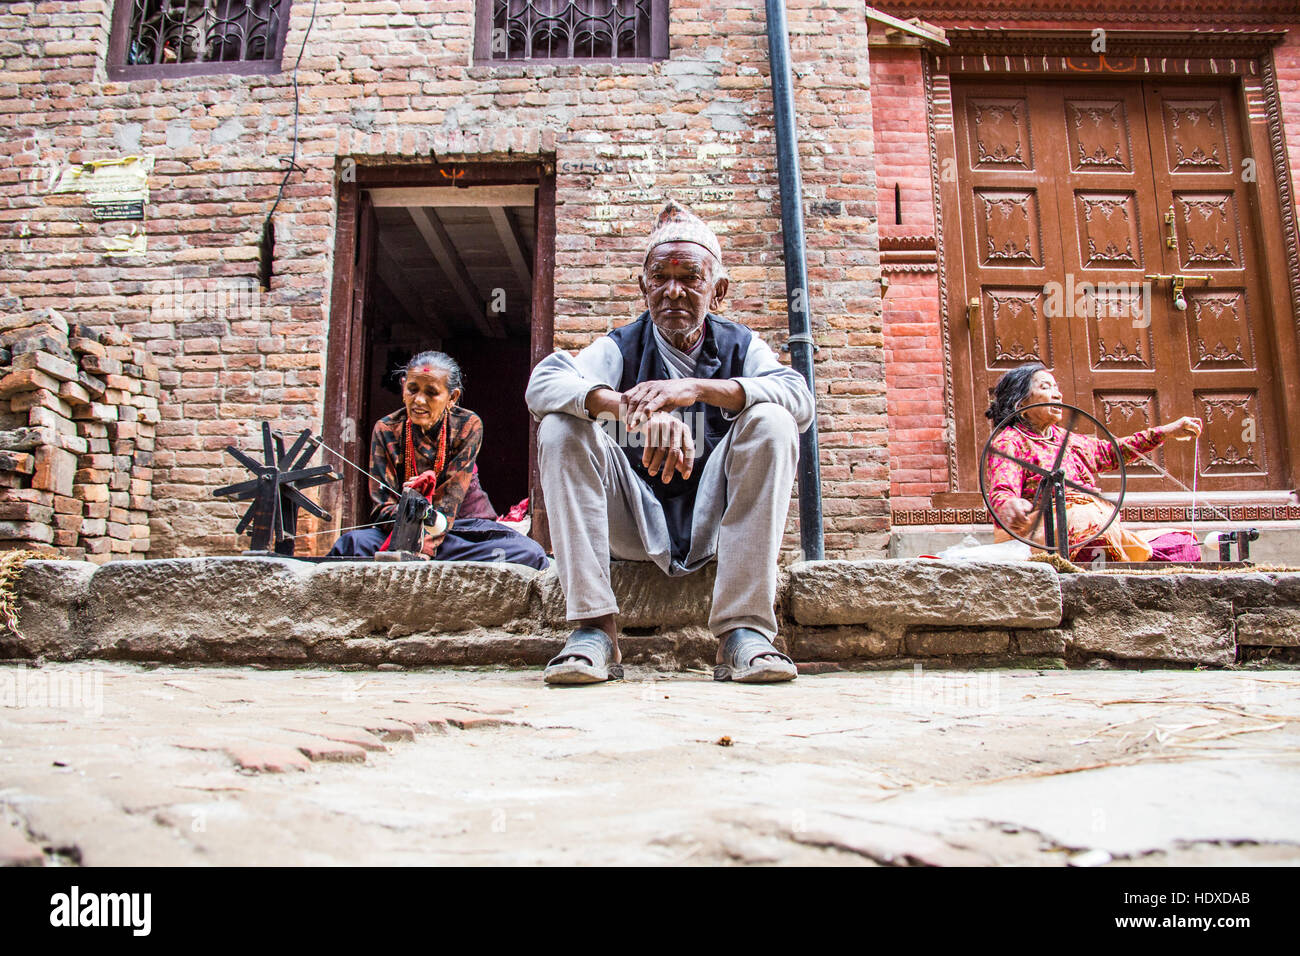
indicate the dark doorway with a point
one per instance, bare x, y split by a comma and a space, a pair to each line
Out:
446, 267
457, 278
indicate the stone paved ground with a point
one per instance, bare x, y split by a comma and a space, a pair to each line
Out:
457, 766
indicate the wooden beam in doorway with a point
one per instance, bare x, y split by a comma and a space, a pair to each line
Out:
439, 196
416, 304
515, 249
439, 243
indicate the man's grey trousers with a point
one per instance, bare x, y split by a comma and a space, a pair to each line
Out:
599, 507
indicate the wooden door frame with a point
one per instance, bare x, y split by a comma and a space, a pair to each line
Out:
344, 375
1245, 59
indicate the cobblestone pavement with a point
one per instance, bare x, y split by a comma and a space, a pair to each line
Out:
119, 764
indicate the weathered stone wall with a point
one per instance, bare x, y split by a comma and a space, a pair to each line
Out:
831, 613
390, 81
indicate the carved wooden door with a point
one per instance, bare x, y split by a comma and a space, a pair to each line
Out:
1065, 190
1220, 367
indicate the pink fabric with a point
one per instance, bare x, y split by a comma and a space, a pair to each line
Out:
1175, 546
1172, 546
476, 503
518, 513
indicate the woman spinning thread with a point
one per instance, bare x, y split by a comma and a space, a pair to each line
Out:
1035, 435
431, 444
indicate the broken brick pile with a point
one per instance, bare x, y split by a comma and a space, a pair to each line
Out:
78, 407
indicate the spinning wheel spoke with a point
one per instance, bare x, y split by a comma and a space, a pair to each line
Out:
1092, 492
251, 464
1035, 524
248, 516
288, 459
1069, 430
244, 489
268, 447
305, 503
323, 479
1028, 466
289, 477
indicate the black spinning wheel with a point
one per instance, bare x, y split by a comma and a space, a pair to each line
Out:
1048, 503
276, 490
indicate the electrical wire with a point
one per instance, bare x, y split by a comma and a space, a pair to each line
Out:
293, 156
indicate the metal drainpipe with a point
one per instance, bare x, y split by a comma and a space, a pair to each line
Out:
796, 274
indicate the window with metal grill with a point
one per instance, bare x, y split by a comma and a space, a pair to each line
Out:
153, 38
573, 31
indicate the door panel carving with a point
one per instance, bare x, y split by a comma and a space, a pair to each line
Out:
1208, 235
1098, 134
1196, 136
1108, 230
999, 129
1218, 330
1017, 331
1127, 412
1231, 447
1009, 227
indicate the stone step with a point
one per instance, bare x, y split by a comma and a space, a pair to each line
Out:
285, 612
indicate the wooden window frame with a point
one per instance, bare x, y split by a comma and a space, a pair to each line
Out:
119, 69
484, 16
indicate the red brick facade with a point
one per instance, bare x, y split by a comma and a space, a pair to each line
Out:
903, 99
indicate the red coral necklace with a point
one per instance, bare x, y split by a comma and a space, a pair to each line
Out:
410, 449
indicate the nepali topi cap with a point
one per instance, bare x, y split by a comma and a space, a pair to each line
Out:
678, 224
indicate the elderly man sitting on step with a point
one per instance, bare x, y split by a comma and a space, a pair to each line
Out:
672, 439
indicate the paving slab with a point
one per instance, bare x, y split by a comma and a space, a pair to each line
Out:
177, 766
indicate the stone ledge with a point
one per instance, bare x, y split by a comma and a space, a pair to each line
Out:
646, 596
924, 592
1277, 627
1181, 618
279, 611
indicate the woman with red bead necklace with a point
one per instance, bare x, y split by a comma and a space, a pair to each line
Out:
431, 443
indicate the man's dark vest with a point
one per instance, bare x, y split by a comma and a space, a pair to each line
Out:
722, 357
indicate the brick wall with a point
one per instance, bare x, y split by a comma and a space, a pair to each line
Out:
387, 81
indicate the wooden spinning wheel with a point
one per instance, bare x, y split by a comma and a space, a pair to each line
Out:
1048, 503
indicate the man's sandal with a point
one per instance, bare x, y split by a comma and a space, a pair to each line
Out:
586, 659
749, 658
